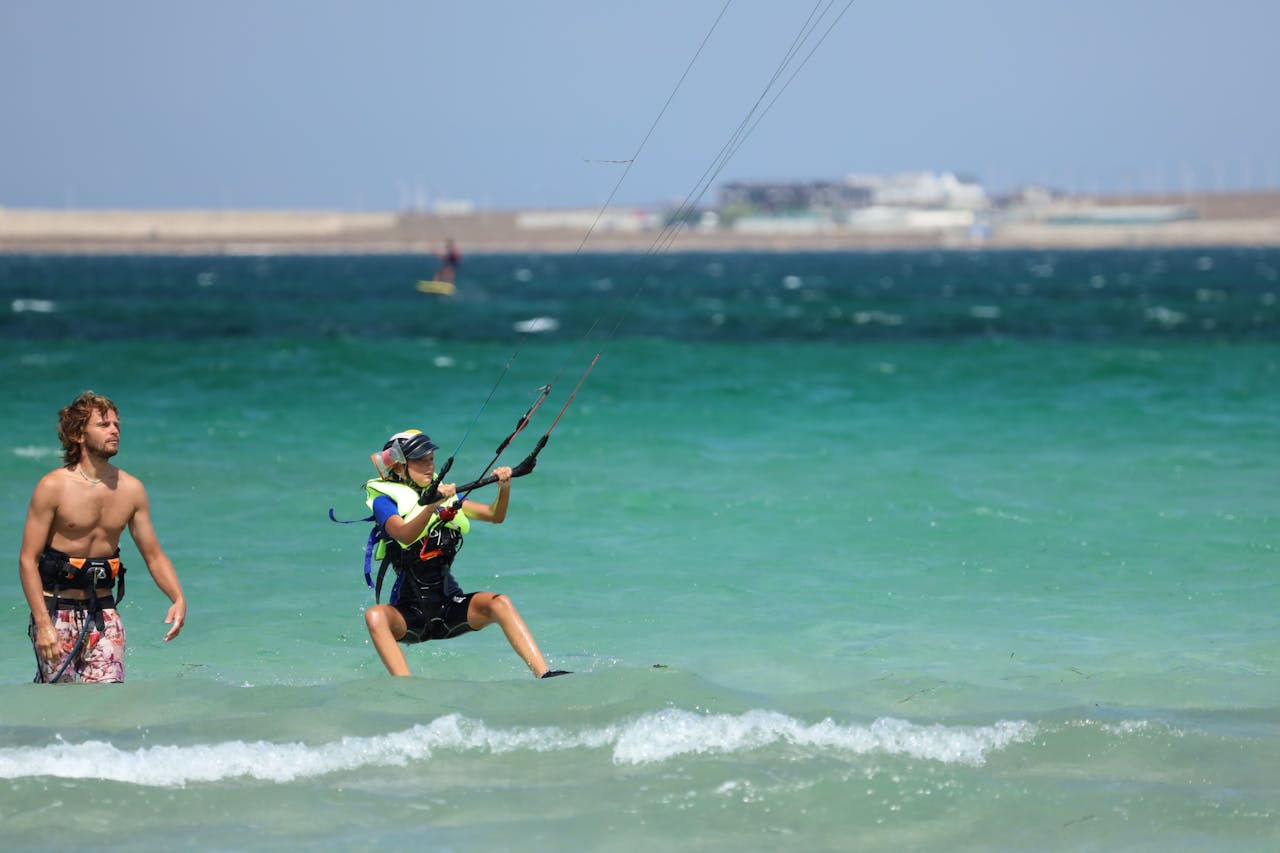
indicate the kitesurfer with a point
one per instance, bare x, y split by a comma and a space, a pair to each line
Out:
450, 258
418, 534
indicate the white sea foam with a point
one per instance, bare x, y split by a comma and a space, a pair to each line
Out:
36, 306
664, 734
649, 739
536, 325
34, 452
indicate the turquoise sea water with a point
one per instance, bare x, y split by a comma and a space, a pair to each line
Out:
903, 551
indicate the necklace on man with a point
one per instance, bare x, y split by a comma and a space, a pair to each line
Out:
87, 478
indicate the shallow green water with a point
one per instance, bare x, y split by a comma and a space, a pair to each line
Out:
934, 585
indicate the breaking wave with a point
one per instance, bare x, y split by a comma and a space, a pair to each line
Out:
649, 739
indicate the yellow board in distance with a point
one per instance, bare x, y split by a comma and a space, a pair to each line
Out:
444, 288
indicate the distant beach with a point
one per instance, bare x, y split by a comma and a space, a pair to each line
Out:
1239, 219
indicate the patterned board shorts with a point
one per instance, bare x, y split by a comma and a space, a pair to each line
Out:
101, 656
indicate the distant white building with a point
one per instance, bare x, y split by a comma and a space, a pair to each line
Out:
908, 201
923, 190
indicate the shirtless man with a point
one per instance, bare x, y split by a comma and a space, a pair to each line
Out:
70, 558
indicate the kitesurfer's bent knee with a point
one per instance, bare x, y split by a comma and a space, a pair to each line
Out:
490, 607
386, 628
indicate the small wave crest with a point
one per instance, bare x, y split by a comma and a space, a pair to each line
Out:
669, 733
651, 738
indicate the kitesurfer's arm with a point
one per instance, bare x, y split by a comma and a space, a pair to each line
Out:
497, 511
409, 531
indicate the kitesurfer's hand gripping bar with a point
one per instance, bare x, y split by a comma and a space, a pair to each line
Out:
529, 462
525, 466
543, 392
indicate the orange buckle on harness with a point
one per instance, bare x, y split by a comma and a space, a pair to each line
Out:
113, 563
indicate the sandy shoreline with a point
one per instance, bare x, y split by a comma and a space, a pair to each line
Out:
1251, 219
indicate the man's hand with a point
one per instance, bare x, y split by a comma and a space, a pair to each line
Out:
176, 617
47, 645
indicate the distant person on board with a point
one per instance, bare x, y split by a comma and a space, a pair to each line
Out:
418, 536
70, 559
450, 258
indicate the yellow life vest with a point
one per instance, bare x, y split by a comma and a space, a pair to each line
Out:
408, 508
406, 498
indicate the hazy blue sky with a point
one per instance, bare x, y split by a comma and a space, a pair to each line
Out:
374, 104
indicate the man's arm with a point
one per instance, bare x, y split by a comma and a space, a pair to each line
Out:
35, 535
158, 564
